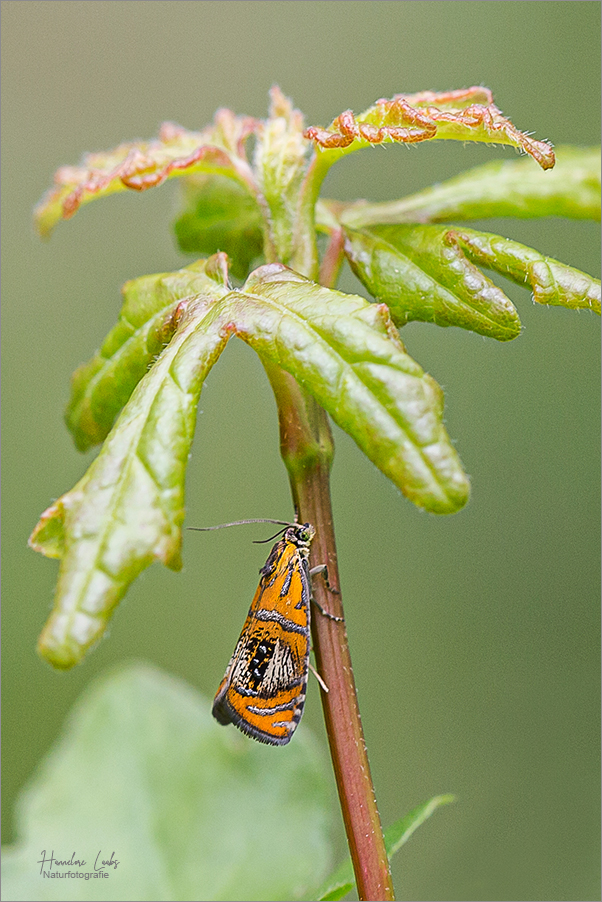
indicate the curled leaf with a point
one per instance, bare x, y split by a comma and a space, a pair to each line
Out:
141, 165
152, 308
464, 115
422, 274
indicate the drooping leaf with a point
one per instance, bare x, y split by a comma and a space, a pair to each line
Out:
350, 330
220, 215
500, 188
280, 155
342, 880
464, 115
423, 275
189, 810
152, 308
347, 353
139, 165
128, 508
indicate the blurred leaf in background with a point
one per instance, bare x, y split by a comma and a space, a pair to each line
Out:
188, 809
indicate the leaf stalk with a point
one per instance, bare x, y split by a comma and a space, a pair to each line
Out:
305, 251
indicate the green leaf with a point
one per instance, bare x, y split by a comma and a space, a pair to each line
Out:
152, 307
218, 150
342, 880
190, 810
128, 508
464, 115
48, 536
551, 282
220, 215
347, 353
422, 273
512, 188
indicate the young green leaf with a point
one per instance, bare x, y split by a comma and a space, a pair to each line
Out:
280, 157
128, 509
217, 150
421, 275
551, 282
428, 273
500, 188
342, 880
220, 215
152, 308
142, 774
348, 355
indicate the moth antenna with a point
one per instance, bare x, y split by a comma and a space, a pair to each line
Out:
240, 523
265, 541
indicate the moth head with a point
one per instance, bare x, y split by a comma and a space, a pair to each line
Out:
300, 534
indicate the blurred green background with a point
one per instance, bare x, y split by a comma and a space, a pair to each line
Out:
474, 637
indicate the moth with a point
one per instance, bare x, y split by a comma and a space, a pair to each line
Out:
264, 686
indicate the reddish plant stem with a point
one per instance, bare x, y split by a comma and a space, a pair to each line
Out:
307, 450
305, 252
332, 259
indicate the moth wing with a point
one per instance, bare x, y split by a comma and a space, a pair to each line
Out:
263, 690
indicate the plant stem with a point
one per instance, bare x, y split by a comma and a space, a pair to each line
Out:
305, 252
332, 259
307, 450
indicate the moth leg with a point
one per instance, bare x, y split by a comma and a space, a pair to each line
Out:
318, 677
322, 568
